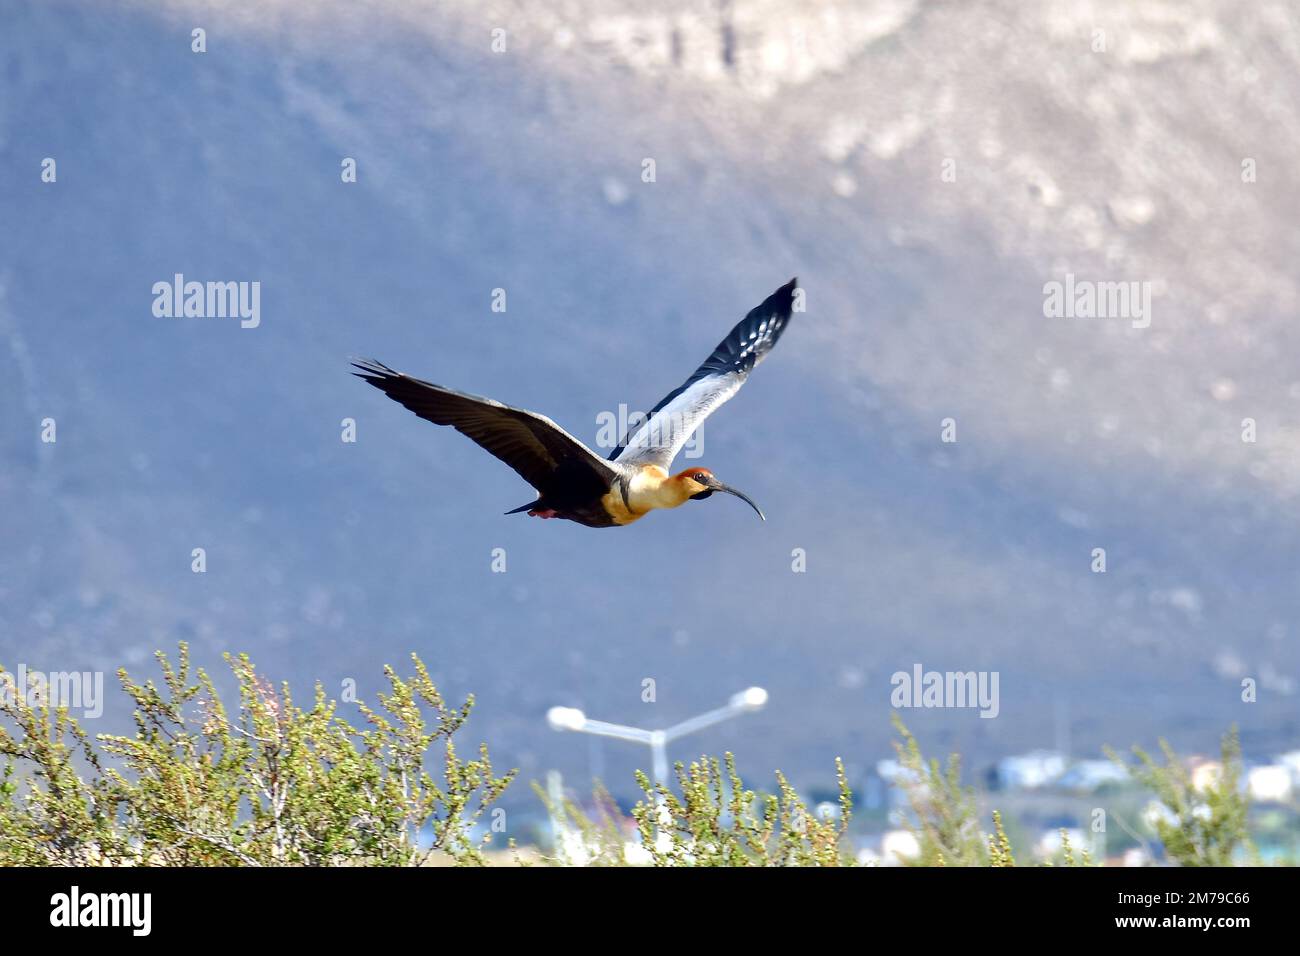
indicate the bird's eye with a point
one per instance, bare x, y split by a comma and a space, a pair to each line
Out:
700, 477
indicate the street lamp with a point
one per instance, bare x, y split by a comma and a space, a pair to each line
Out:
571, 719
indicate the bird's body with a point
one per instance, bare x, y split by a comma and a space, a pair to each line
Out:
574, 483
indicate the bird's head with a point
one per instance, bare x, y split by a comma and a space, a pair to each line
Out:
699, 483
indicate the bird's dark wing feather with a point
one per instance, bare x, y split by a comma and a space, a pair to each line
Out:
672, 422
541, 451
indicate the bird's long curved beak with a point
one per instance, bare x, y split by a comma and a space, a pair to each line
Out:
716, 485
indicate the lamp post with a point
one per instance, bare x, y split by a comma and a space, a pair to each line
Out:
572, 719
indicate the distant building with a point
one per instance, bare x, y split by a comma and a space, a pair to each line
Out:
897, 846
1136, 856
892, 848
1090, 774
1291, 760
1038, 768
1270, 783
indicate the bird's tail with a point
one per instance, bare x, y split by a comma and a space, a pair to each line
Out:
528, 507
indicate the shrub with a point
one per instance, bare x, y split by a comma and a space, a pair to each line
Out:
269, 784
945, 815
945, 819
715, 821
1205, 827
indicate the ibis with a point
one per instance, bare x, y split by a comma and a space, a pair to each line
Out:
570, 479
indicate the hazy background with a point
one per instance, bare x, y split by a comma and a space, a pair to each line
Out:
790, 138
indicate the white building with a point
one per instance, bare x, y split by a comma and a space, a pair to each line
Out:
1030, 771
1091, 774
1270, 783
897, 846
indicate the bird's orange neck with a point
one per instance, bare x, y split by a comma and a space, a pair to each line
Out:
650, 488
654, 488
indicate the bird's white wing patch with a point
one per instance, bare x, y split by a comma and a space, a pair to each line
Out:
659, 439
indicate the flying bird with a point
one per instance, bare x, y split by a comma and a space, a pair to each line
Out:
571, 480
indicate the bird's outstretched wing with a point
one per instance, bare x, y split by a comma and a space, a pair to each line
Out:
672, 422
543, 453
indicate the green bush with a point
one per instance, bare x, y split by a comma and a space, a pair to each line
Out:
945, 815
945, 820
1206, 827
270, 784
715, 821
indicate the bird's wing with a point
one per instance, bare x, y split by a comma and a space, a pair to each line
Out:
531, 444
671, 423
